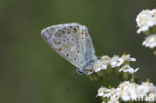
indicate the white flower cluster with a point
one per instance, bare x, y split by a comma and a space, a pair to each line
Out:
145, 20
101, 64
127, 91
127, 68
116, 61
150, 41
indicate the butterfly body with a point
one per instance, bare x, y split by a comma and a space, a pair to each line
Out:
73, 42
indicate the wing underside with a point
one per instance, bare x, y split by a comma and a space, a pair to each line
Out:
72, 42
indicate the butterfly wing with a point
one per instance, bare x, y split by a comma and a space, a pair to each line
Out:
71, 41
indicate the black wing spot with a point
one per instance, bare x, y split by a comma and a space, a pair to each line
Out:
75, 59
67, 55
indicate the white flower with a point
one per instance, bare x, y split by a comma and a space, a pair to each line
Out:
145, 20
133, 91
116, 61
127, 68
127, 57
114, 100
124, 87
127, 91
149, 87
99, 65
103, 92
115, 93
105, 59
150, 41
142, 91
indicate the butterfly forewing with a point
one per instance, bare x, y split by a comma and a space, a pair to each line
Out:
71, 41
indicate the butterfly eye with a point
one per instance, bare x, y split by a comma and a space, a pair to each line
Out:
79, 72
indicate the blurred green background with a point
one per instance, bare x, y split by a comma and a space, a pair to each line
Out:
31, 72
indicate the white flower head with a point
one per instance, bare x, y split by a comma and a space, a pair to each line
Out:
114, 100
150, 41
149, 87
133, 91
128, 91
127, 68
124, 84
127, 57
116, 61
113, 94
99, 65
105, 59
145, 20
103, 92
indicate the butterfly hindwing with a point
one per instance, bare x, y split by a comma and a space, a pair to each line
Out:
71, 41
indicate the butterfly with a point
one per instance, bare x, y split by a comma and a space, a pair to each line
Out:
73, 42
